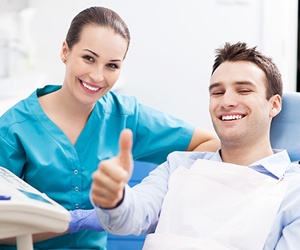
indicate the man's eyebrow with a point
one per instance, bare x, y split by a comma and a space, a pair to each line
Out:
96, 55
239, 83
214, 85
246, 83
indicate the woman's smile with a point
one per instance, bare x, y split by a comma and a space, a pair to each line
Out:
91, 88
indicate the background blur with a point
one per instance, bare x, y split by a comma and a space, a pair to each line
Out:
169, 61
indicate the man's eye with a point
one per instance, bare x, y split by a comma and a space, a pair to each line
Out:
88, 58
244, 91
216, 93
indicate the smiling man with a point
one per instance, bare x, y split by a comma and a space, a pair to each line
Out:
244, 196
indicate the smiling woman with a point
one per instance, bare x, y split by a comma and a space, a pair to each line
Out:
66, 130
93, 66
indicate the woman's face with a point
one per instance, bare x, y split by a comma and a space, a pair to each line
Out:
93, 64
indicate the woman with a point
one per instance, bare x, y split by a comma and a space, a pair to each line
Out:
56, 137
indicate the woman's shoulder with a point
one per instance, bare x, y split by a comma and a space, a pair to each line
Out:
113, 102
113, 97
19, 112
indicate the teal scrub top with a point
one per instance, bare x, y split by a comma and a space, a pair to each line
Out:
36, 150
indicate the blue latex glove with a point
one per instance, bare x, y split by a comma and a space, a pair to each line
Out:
84, 219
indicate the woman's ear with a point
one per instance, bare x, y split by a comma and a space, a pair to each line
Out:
64, 51
276, 105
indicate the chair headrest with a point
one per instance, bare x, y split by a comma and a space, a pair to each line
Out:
285, 127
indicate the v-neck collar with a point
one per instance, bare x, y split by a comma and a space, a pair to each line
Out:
51, 127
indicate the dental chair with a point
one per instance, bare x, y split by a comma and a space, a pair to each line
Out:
285, 127
285, 134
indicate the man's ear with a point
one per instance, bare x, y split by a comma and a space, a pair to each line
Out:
275, 105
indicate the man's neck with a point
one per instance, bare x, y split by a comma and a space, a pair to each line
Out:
245, 156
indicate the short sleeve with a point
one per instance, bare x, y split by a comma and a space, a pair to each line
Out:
159, 134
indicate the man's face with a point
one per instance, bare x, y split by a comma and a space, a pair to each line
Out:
239, 110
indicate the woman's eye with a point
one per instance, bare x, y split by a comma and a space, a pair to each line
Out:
88, 58
113, 66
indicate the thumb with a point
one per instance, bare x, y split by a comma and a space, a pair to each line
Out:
125, 155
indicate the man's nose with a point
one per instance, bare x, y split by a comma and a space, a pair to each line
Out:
229, 100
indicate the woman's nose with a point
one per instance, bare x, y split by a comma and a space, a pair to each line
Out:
97, 74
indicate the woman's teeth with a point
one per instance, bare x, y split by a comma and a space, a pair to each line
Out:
90, 87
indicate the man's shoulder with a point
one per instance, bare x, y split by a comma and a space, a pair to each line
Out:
292, 174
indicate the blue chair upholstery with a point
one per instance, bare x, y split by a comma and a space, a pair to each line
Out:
285, 127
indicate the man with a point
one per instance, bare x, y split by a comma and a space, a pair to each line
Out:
244, 196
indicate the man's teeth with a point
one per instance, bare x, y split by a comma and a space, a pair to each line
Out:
90, 87
231, 117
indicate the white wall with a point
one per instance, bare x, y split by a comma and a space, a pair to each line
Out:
173, 41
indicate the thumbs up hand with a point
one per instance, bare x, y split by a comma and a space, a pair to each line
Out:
125, 156
111, 176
